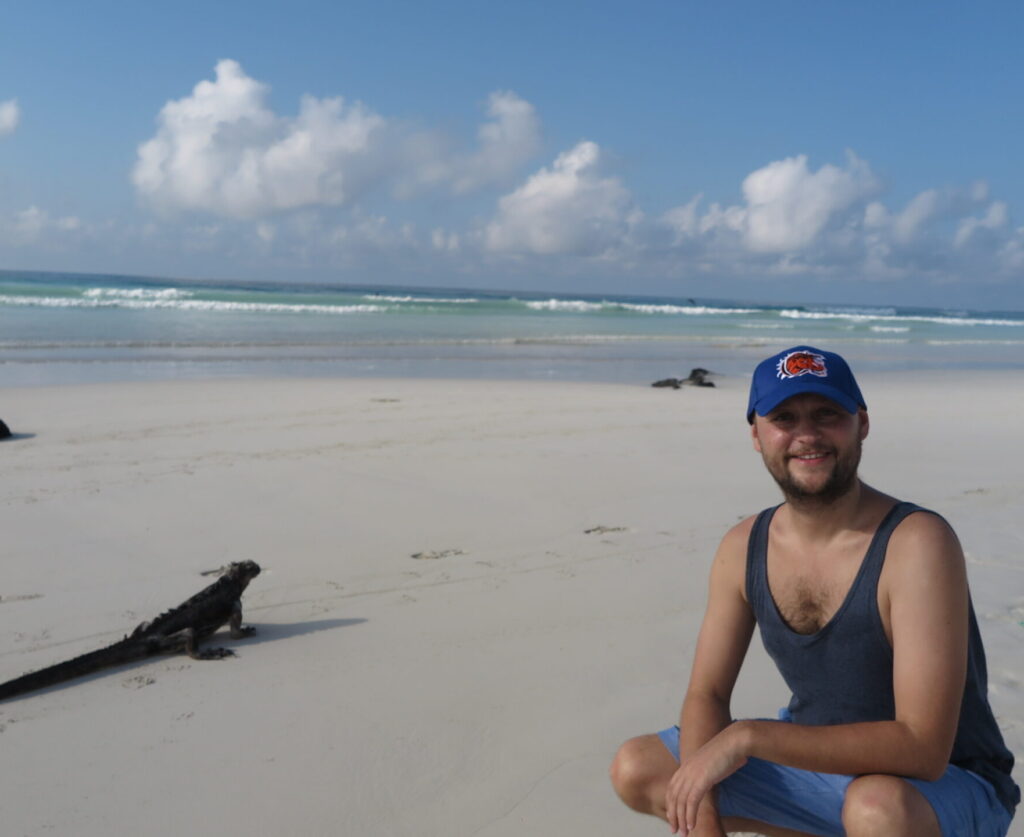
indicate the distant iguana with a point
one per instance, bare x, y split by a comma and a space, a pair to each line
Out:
178, 630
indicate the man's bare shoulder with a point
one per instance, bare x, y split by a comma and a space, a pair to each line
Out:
923, 546
730, 565
925, 536
738, 536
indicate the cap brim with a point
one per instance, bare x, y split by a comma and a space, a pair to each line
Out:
769, 402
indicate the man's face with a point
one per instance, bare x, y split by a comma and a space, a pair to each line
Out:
811, 447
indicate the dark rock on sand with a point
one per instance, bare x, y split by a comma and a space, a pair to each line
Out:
5, 431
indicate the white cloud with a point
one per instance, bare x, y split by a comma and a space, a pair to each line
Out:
507, 141
683, 221
825, 223
223, 151
930, 216
995, 218
424, 159
373, 232
731, 219
876, 215
449, 242
10, 116
940, 232
33, 225
30, 222
1011, 254
567, 209
922, 208
788, 206
790, 213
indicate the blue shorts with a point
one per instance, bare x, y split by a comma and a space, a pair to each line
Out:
964, 803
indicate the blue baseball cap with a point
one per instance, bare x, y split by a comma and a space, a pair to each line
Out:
798, 370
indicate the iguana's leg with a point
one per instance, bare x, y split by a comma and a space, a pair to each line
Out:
235, 623
186, 642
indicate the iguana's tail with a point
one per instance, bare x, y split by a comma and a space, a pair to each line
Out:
122, 651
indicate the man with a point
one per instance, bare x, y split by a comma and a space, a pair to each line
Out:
862, 602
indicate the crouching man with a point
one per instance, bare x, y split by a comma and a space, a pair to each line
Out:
862, 602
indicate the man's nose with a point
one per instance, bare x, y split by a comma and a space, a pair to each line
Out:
807, 428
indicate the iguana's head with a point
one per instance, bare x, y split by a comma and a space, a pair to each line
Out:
242, 571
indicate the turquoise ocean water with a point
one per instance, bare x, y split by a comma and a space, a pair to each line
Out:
67, 328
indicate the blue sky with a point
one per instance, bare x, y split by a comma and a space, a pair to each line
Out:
864, 152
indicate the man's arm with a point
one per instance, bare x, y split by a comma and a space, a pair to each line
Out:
721, 647
923, 592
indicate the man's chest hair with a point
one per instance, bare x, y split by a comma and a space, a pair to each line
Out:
805, 608
809, 591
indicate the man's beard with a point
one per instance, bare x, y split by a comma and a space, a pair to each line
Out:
839, 482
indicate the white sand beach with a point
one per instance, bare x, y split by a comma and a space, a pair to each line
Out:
563, 535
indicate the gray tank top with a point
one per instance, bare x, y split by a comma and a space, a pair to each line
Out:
843, 673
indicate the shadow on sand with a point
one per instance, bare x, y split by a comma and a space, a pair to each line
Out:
264, 633
17, 437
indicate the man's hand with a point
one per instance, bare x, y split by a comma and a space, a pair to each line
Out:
698, 774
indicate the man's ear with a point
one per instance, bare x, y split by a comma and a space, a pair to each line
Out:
754, 436
865, 423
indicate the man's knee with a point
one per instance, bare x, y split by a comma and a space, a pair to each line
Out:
879, 804
640, 772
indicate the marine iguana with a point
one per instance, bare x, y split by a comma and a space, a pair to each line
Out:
697, 378
177, 630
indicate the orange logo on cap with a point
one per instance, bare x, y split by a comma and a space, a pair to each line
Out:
802, 363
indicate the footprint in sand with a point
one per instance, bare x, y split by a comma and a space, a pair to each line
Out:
42, 636
23, 597
140, 681
604, 530
431, 556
